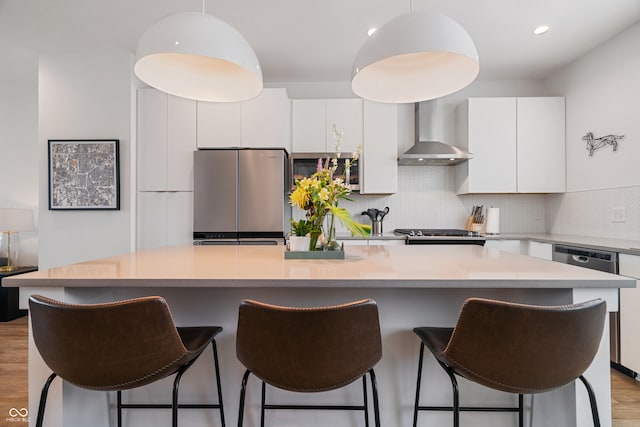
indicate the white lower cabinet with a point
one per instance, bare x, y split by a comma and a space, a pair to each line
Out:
629, 265
353, 242
513, 246
390, 242
164, 219
541, 250
371, 242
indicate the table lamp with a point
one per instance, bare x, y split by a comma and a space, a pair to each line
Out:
12, 221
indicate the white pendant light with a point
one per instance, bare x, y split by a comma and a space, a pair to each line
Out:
415, 57
198, 56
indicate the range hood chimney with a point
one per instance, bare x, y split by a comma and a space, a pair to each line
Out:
428, 150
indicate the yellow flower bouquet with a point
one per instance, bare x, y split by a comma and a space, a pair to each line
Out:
320, 194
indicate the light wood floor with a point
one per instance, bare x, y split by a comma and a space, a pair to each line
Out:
13, 366
625, 391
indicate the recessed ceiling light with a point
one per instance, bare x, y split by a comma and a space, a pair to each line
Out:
371, 31
541, 30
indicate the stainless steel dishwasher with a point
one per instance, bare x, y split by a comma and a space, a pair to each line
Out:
600, 260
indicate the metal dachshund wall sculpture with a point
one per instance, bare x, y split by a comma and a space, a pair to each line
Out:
594, 144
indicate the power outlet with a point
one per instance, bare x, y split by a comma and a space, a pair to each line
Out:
619, 215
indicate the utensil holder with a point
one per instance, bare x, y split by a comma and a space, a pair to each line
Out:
376, 228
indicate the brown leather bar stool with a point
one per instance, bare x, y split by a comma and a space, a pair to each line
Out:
118, 346
515, 348
309, 350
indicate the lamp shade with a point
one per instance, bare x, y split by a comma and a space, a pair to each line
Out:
415, 57
198, 56
15, 219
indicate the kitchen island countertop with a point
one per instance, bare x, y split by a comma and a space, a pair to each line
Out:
462, 266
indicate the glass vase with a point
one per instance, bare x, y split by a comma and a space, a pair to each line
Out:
331, 244
313, 239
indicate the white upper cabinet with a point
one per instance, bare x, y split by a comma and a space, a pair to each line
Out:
312, 121
379, 161
166, 141
261, 122
487, 127
308, 132
218, 124
266, 120
517, 145
347, 115
541, 145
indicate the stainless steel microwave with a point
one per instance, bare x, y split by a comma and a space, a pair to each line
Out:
303, 165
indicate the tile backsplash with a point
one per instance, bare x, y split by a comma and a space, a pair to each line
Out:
590, 213
426, 198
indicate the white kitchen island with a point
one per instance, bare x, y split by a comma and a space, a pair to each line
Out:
413, 286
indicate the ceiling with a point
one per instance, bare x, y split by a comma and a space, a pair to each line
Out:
317, 41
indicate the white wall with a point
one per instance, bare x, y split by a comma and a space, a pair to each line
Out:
85, 96
18, 147
602, 90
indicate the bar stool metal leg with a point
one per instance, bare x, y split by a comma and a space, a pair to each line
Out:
218, 382
262, 403
456, 394
521, 410
43, 399
416, 403
374, 391
366, 401
243, 389
119, 407
592, 401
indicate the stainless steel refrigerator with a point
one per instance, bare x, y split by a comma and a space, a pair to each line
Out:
240, 196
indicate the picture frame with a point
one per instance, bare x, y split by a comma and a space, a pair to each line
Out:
84, 174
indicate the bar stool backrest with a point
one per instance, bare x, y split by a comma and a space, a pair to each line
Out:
111, 346
524, 349
308, 349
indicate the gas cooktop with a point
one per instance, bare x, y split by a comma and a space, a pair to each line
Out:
435, 232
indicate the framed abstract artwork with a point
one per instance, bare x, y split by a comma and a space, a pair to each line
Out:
84, 174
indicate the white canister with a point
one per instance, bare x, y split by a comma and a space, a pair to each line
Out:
492, 224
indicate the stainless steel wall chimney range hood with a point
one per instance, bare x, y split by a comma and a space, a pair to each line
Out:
428, 151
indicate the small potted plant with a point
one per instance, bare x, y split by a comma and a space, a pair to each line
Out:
300, 239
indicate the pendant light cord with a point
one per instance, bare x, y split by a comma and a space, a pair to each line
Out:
204, 1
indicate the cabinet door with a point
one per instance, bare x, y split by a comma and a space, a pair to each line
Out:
347, 115
541, 145
179, 218
308, 126
389, 242
218, 124
164, 219
541, 250
353, 242
152, 140
629, 265
492, 141
266, 120
151, 220
379, 161
181, 143
513, 246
